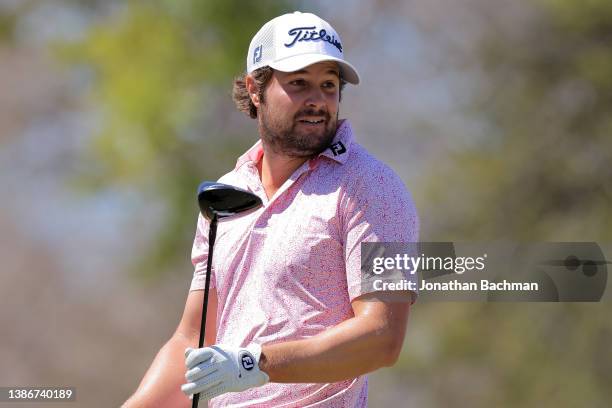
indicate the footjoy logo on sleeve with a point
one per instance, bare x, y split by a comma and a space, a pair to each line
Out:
311, 34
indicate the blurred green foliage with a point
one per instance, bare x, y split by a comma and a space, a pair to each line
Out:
543, 170
158, 71
7, 25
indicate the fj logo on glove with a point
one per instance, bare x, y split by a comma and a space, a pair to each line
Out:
247, 361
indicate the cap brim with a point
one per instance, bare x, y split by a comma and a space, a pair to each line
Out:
297, 62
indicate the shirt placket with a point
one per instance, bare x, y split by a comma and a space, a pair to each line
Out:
256, 186
290, 181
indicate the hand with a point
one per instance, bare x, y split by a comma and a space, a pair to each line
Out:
215, 370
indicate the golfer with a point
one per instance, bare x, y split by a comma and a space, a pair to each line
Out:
289, 323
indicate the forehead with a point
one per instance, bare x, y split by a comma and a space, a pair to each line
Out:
320, 68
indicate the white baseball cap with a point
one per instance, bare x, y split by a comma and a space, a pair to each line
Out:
293, 41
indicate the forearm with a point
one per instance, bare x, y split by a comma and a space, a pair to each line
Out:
161, 385
347, 350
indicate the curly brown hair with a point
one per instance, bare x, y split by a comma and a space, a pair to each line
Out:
262, 76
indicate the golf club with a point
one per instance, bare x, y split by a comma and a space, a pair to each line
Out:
218, 200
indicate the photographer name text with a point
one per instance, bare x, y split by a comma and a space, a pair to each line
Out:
455, 285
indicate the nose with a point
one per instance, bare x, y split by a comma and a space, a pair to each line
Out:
315, 99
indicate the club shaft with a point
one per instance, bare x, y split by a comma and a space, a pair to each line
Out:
212, 235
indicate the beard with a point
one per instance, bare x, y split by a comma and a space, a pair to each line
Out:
284, 137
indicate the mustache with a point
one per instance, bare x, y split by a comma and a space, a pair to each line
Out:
312, 112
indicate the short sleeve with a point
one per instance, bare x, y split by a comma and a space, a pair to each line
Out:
199, 256
378, 209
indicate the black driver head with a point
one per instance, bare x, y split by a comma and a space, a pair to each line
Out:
224, 200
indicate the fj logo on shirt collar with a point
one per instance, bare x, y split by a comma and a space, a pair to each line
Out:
338, 148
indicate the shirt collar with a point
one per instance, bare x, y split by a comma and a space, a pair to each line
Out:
341, 145
337, 151
253, 155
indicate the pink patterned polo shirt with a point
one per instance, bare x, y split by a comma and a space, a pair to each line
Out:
290, 269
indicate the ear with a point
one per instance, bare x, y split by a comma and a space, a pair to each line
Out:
252, 90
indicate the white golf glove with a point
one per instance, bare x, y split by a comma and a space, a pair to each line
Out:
215, 370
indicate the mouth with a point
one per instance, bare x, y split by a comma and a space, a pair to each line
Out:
312, 122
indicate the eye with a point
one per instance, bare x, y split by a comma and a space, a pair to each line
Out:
329, 85
298, 82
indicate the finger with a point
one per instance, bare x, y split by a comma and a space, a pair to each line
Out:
200, 386
188, 350
198, 356
213, 392
200, 371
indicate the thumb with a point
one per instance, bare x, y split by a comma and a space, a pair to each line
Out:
188, 350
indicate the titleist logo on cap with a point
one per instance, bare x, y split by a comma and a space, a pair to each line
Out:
311, 34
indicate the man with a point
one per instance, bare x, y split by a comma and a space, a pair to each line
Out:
289, 322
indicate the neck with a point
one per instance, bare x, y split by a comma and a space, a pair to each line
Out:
275, 168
